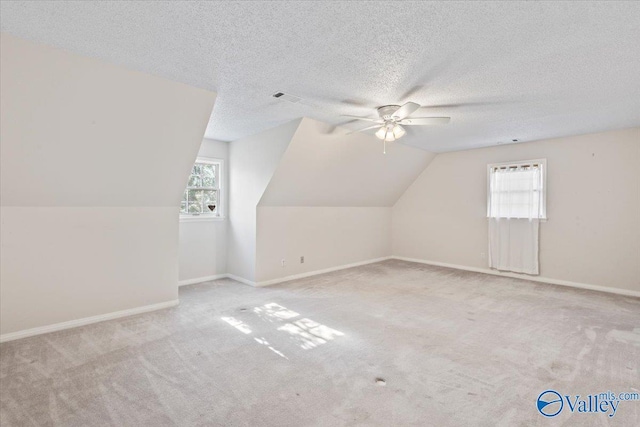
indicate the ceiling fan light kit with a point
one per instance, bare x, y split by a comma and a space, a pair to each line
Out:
390, 132
391, 117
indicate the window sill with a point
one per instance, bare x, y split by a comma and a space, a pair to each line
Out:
200, 218
540, 219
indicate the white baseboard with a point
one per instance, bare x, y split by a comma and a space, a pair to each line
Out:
242, 280
85, 321
202, 279
618, 291
303, 275
147, 308
316, 272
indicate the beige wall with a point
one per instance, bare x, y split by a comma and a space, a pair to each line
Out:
330, 200
80, 132
327, 237
94, 159
68, 263
328, 168
593, 232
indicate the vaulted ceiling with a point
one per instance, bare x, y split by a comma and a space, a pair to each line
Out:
501, 70
323, 167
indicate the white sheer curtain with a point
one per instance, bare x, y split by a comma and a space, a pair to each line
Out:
515, 206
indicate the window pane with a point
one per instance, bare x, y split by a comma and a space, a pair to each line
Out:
516, 193
208, 170
195, 196
195, 181
208, 181
208, 175
209, 201
195, 207
209, 196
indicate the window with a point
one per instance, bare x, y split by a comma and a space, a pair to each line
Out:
202, 196
517, 190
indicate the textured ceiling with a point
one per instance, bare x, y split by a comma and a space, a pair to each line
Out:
501, 70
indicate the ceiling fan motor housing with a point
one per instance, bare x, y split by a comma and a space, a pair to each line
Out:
393, 116
386, 111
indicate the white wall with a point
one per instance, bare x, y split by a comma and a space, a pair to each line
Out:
94, 159
327, 237
330, 200
203, 242
252, 162
593, 232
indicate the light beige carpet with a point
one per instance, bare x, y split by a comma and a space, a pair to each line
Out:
388, 344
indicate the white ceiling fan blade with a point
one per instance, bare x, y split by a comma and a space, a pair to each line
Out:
364, 118
422, 121
405, 110
362, 130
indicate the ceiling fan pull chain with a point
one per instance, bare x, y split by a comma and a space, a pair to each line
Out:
384, 145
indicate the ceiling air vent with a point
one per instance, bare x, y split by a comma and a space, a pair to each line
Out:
287, 97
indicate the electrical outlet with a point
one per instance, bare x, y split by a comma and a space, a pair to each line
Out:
483, 255
302, 259
283, 262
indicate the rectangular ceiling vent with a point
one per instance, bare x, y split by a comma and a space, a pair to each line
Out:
286, 97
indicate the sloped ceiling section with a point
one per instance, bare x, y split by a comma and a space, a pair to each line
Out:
80, 132
323, 166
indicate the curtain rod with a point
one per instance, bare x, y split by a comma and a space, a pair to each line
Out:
534, 165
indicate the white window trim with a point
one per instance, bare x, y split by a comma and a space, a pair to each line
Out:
200, 218
220, 216
542, 162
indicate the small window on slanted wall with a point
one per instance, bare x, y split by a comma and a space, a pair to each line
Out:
517, 190
202, 197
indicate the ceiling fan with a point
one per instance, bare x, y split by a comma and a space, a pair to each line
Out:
392, 118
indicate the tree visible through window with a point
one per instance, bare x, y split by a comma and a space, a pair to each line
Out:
202, 195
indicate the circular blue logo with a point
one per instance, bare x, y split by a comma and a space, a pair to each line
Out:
550, 403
